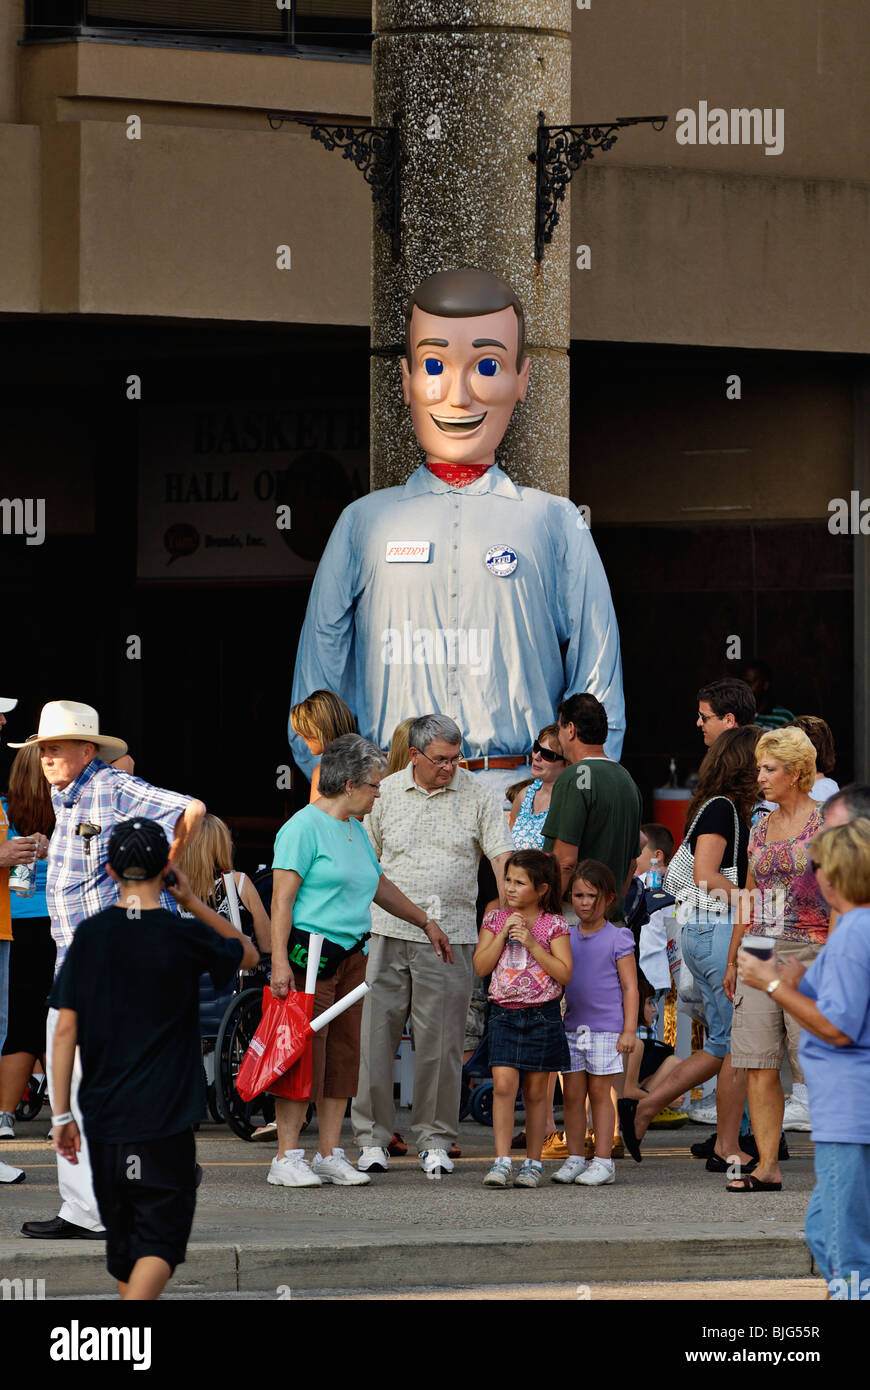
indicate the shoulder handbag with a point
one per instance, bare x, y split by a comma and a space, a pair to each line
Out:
680, 874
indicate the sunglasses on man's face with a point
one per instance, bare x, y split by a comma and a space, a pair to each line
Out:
547, 753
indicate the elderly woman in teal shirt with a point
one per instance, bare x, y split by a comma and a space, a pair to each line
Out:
325, 878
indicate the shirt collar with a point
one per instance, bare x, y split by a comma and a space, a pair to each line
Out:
410, 785
493, 480
68, 796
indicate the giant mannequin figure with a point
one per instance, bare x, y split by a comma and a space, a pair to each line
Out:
462, 592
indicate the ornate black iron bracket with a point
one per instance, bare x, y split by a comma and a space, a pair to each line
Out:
374, 150
559, 152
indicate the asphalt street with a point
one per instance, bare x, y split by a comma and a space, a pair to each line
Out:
663, 1220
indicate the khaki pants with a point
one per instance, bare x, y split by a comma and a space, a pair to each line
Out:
408, 977
760, 1029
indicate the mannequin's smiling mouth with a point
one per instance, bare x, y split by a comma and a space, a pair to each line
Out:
459, 424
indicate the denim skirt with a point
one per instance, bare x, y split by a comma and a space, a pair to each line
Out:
531, 1039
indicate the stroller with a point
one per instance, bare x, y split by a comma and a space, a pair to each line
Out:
476, 1099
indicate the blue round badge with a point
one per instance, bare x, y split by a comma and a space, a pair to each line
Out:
501, 560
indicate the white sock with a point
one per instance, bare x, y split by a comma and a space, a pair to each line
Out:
536, 1163
572, 1157
503, 1158
799, 1092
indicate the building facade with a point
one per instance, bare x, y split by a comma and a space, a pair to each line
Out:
184, 310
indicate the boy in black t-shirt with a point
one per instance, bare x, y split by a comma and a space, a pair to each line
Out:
128, 995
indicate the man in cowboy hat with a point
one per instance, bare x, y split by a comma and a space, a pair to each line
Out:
89, 798
16, 851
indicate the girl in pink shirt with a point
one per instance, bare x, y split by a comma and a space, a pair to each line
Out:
528, 951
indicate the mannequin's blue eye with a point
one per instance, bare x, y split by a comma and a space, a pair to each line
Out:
488, 366
433, 367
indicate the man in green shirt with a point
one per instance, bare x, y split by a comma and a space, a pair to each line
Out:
595, 808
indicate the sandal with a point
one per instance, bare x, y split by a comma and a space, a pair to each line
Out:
397, 1148
753, 1184
715, 1164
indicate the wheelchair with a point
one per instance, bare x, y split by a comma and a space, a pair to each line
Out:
228, 1019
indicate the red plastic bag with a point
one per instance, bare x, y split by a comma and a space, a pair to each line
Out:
296, 1082
278, 1042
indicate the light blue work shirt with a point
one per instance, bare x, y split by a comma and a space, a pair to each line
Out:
495, 645
838, 1078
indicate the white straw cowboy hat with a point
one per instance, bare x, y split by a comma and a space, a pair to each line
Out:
6, 704
66, 719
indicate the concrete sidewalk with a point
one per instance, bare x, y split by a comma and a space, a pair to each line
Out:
663, 1219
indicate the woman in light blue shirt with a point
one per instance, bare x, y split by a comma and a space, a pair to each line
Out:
325, 877
832, 1001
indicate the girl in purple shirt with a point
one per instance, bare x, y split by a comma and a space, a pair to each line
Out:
600, 1021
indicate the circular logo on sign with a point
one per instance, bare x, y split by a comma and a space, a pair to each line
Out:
501, 560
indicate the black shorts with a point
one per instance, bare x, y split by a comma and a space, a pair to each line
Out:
654, 1053
31, 973
146, 1193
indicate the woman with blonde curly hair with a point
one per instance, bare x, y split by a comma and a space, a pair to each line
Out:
318, 720
782, 900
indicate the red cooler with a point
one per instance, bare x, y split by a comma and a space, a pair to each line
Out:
669, 808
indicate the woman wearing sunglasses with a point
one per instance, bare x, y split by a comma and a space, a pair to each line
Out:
530, 801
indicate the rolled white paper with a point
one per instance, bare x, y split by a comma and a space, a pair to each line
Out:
315, 946
329, 1014
233, 900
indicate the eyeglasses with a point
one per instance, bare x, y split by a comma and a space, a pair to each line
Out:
704, 717
441, 762
547, 753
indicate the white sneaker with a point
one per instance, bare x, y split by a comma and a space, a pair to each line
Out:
436, 1161
373, 1160
570, 1170
796, 1116
598, 1172
7, 1125
10, 1174
703, 1112
335, 1168
292, 1171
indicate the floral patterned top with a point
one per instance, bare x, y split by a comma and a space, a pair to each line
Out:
790, 903
523, 983
529, 827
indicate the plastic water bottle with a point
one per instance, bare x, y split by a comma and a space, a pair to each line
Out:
656, 875
514, 955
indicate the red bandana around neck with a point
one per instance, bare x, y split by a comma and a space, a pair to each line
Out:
458, 474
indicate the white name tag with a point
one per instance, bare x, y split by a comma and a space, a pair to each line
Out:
408, 552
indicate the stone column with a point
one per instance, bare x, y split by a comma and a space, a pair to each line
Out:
467, 79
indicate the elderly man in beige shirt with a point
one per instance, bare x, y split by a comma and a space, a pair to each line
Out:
430, 827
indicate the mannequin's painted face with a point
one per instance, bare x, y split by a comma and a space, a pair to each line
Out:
462, 384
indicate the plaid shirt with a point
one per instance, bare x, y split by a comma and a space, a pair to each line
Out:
78, 883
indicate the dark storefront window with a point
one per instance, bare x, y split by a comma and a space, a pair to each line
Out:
332, 26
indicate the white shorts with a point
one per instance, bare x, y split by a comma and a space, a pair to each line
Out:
593, 1052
